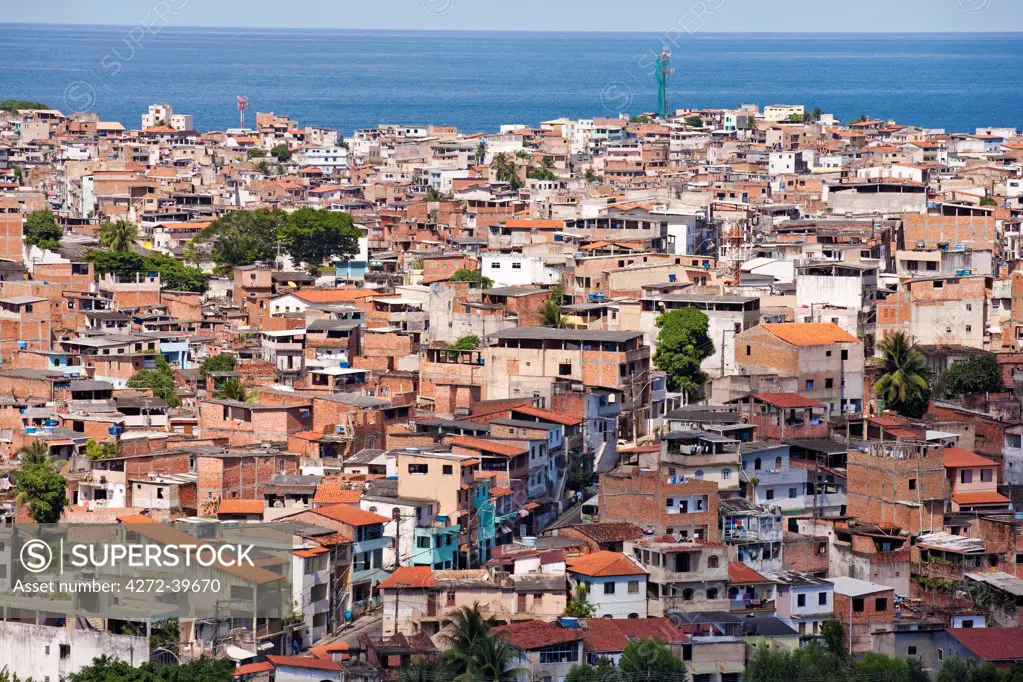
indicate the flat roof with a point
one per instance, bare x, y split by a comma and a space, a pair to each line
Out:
550, 334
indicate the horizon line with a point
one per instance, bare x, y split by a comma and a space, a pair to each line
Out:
535, 31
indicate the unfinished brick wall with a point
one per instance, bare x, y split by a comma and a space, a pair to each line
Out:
640, 497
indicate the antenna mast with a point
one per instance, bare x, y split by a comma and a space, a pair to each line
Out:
243, 104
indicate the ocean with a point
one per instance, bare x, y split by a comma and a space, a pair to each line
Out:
349, 79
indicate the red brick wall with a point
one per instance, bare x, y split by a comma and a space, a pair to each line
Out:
640, 497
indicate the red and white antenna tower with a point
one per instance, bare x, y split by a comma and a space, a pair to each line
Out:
243, 104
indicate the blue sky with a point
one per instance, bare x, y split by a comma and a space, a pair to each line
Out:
557, 15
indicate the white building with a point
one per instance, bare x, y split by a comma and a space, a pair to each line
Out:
803, 601
163, 114
327, 159
517, 269
776, 113
615, 583
53, 653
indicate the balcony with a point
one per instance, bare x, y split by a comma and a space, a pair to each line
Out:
751, 606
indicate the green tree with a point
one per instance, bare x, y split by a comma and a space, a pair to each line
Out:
160, 380
956, 669
550, 311
314, 235
862, 118
242, 238
578, 606
107, 669
642, 118
7, 676
217, 363
475, 276
119, 236
103, 450
905, 380
682, 344
264, 167
420, 669
481, 152
833, 636
694, 122
469, 630
38, 485
542, 173
604, 671
174, 275
648, 660
165, 634
506, 171
771, 665
255, 153
470, 342
16, 169
979, 373
988, 201
12, 106
232, 389
41, 229
35, 452
591, 176
281, 152
880, 667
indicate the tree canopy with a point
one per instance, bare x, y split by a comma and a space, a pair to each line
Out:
106, 669
978, 373
174, 275
232, 389
41, 229
38, 484
119, 236
160, 380
242, 238
281, 152
904, 384
470, 342
217, 363
682, 344
314, 235
475, 276
643, 660
550, 311
13, 105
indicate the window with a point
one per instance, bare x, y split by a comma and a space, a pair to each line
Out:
447, 470
858, 605
792, 493
800, 600
986, 475
516, 266
565, 368
749, 351
633, 587
757, 464
941, 654
726, 474
609, 588
65, 651
423, 543
966, 476
845, 355
495, 266
964, 624
911, 651
769, 495
698, 475
822, 598
562, 653
712, 593
418, 469
809, 384
881, 604
687, 594
912, 484
451, 598
829, 383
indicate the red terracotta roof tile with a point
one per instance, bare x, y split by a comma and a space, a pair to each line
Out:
240, 507
604, 564
351, 515
409, 576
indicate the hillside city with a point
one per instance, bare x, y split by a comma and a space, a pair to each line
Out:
722, 395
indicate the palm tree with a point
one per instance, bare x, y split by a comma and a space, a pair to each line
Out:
232, 389
481, 152
904, 384
491, 661
35, 453
119, 237
469, 627
550, 312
